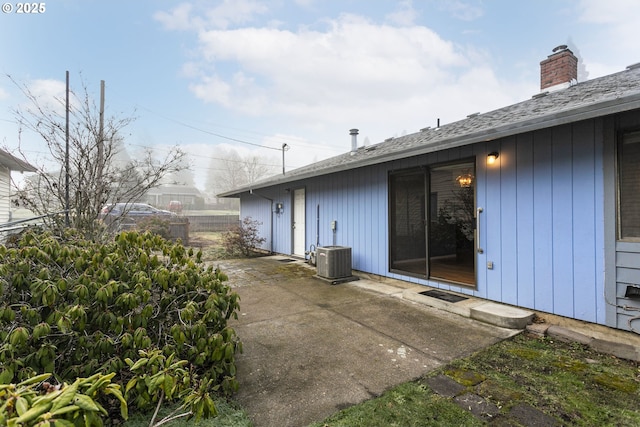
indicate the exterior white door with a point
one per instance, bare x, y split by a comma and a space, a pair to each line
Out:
298, 225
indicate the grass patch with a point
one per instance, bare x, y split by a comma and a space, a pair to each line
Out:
409, 404
568, 382
211, 244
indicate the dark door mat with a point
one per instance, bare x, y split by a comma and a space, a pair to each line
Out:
445, 296
286, 260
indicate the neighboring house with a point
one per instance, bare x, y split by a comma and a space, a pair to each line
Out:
536, 204
189, 196
9, 163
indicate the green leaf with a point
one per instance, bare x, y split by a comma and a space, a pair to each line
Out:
34, 380
114, 390
85, 402
169, 386
131, 384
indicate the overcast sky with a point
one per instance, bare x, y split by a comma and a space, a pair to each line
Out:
256, 74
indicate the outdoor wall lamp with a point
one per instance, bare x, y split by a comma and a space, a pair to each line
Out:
279, 207
492, 157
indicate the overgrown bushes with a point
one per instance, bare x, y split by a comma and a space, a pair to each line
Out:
74, 308
244, 238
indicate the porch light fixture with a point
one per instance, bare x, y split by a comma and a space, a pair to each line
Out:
465, 180
492, 157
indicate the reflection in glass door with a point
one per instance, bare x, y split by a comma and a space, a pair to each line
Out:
408, 240
452, 223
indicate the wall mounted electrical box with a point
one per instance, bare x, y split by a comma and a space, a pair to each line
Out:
334, 225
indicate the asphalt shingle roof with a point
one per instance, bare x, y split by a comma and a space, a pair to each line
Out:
593, 98
15, 164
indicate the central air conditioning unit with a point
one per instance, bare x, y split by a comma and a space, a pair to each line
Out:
333, 262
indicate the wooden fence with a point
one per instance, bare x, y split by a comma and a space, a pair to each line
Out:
212, 222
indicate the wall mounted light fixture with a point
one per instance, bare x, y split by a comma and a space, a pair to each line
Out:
492, 157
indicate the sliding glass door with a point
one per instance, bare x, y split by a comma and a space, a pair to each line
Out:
434, 236
452, 223
408, 225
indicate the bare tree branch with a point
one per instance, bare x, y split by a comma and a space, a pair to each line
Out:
94, 180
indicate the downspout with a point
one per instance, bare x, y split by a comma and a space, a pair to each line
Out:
318, 225
313, 248
270, 219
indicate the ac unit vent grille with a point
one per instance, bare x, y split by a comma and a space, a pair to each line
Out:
334, 262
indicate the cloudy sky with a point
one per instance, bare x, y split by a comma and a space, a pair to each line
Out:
256, 74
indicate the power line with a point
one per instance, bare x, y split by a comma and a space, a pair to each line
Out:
208, 132
291, 140
161, 148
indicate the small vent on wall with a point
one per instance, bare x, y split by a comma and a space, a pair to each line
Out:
632, 292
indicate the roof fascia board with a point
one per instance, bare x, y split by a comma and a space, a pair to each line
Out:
573, 115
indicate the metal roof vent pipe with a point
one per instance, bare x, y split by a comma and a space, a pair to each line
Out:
354, 140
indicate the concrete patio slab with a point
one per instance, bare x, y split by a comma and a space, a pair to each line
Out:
312, 348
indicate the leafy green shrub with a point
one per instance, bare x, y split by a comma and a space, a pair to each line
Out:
157, 375
244, 238
156, 225
36, 402
74, 308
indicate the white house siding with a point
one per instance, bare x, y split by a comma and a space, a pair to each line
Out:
5, 202
542, 224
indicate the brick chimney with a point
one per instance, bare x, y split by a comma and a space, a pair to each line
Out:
559, 69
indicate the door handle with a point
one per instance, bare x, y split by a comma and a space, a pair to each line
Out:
478, 248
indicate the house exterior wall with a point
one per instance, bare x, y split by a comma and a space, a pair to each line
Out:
5, 202
622, 258
543, 224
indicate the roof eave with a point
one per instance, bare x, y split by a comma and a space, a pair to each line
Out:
15, 164
591, 111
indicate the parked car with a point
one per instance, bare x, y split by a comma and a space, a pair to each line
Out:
175, 206
131, 212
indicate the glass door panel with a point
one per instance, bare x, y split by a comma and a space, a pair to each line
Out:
408, 246
452, 223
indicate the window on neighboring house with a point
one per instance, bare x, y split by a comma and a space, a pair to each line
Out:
629, 186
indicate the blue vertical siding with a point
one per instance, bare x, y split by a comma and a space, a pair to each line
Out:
525, 264
258, 209
509, 221
491, 227
600, 223
541, 226
562, 219
585, 249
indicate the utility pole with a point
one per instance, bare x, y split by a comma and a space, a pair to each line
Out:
66, 158
101, 139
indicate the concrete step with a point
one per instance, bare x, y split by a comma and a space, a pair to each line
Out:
501, 315
622, 344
